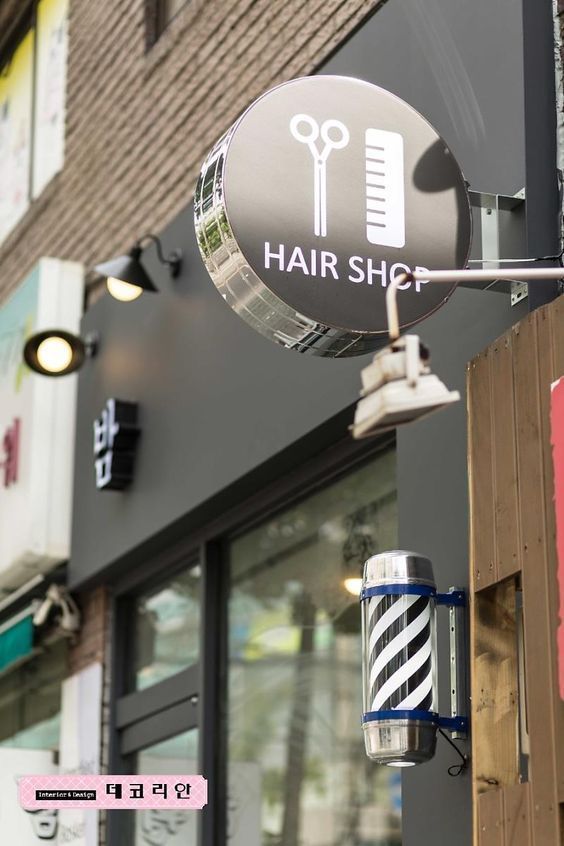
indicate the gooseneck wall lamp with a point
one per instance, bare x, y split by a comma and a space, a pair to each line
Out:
398, 386
56, 352
126, 278
400, 687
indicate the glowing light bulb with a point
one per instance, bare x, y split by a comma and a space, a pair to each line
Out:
54, 354
353, 586
124, 291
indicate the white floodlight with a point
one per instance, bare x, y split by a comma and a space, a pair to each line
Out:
58, 599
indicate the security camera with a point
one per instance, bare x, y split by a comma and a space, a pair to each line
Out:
59, 600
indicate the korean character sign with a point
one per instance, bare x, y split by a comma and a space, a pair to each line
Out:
115, 790
134, 792
160, 790
115, 439
10, 444
182, 790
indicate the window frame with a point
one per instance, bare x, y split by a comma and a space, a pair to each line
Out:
312, 464
141, 718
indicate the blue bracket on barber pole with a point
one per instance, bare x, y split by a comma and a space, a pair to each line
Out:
456, 601
454, 598
455, 725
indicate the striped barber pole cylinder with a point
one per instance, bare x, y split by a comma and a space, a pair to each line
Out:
400, 716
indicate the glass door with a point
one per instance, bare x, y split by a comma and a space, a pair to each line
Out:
297, 771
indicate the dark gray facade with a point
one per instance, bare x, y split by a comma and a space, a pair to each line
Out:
224, 412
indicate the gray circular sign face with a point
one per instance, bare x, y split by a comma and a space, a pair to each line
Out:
322, 192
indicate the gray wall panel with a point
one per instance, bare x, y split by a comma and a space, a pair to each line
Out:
461, 65
216, 400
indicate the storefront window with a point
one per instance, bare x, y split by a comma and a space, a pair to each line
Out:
167, 628
168, 828
30, 701
298, 773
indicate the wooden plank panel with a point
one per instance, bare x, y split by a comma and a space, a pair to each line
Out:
536, 585
516, 818
495, 745
480, 467
490, 813
505, 458
550, 334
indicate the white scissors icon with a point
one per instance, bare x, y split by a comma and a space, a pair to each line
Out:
309, 136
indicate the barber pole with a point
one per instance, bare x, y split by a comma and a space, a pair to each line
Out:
401, 711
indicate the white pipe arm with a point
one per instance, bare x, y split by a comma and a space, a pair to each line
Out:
518, 274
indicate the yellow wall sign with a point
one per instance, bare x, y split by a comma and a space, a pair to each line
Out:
15, 134
51, 47
28, 163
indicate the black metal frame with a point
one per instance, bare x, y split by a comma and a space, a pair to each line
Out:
137, 718
213, 687
138, 715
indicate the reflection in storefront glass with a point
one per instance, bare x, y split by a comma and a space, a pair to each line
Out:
168, 828
298, 774
167, 628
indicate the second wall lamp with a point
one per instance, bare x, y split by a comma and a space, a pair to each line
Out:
126, 278
57, 352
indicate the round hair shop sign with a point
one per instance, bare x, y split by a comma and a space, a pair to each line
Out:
322, 192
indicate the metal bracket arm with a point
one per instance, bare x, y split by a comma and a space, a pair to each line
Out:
457, 724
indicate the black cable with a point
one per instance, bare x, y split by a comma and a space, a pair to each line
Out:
456, 769
558, 257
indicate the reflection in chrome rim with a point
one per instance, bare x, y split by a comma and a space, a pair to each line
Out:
240, 286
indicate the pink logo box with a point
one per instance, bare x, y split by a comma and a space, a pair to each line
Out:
181, 792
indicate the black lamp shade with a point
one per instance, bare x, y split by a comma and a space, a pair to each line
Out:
127, 268
77, 345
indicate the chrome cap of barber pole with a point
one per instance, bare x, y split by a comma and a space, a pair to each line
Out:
399, 650
398, 567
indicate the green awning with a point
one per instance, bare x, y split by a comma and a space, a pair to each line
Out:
16, 641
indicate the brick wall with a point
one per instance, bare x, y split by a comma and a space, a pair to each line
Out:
90, 644
139, 123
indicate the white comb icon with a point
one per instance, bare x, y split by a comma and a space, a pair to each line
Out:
385, 200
